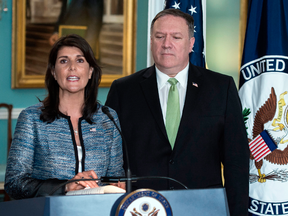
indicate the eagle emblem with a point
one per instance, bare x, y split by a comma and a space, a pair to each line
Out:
265, 114
154, 212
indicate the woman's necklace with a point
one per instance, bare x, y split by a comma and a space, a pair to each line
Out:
76, 132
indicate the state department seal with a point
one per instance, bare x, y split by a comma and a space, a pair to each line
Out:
144, 202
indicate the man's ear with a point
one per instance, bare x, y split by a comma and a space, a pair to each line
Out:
192, 41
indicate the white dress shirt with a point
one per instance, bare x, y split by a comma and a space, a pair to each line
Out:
80, 156
164, 86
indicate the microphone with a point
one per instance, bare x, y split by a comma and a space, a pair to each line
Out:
105, 110
121, 179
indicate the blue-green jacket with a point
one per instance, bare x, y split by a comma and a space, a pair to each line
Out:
44, 155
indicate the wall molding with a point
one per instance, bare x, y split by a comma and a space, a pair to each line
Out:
15, 113
154, 7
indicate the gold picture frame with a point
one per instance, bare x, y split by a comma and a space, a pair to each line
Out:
243, 24
22, 79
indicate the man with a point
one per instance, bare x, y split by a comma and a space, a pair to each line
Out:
211, 129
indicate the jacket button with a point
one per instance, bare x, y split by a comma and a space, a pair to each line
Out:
171, 161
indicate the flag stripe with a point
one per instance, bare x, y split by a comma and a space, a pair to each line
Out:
255, 144
262, 145
261, 152
262, 156
259, 145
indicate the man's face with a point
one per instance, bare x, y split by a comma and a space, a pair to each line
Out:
171, 44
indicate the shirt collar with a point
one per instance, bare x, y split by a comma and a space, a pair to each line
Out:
162, 78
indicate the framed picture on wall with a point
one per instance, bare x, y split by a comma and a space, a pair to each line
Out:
243, 23
109, 28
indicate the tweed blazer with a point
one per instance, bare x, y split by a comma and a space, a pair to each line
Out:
43, 155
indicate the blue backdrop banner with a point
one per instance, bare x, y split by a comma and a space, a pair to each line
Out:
263, 93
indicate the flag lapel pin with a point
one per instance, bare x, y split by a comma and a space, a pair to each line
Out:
195, 84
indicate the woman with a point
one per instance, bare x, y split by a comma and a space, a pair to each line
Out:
67, 136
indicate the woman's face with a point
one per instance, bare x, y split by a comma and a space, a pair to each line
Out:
72, 71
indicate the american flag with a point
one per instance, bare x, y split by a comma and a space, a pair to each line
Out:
197, 9
262, 145
195, 84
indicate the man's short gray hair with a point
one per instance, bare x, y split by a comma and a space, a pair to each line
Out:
177, 13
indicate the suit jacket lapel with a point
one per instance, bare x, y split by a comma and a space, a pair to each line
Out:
194, 85
150, 91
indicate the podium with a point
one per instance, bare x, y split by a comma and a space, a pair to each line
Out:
202, 202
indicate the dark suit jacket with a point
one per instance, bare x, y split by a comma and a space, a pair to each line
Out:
211, 131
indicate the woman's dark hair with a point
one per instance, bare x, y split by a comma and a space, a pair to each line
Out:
50, 109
